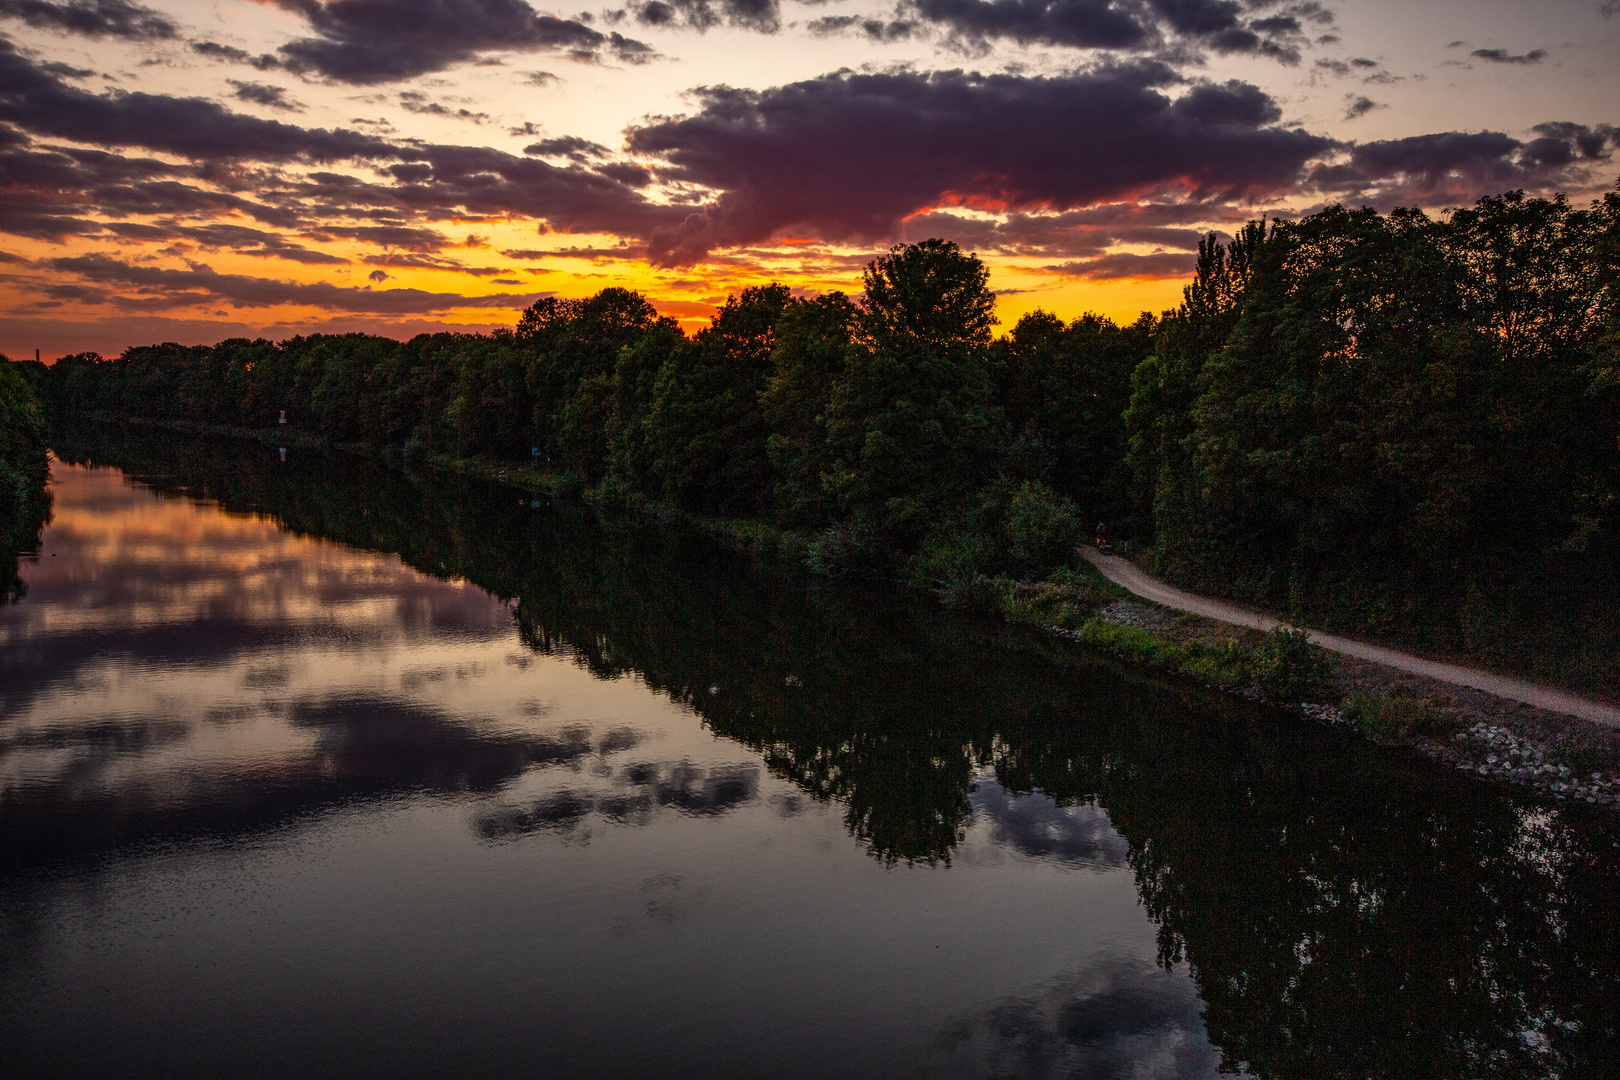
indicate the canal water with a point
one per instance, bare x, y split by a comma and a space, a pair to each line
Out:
313, 768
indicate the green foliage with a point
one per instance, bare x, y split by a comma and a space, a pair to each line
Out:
1288, 668
1042, 528
910, 422
951, 558
1378, 416
814, 338
1064, 599
1378, 421
22, 429
708, 429
1225, 664
1395, 717
1022, 529
1284, 667
1063, 391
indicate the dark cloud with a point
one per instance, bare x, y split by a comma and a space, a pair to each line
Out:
1087, 24
872, 29
1077, 234
629, 251
1357, 107
470, 181
1121, 265
886, 146
403, 237
374, 41
419, 103
1581, 142
40, 102
434, 262
92, 18
424, 180
568, 146
271, 97
1457, 167
627, 50
229, 53
155, 287
1502, 56
1221, 26
764, 16
48, 187
224, 236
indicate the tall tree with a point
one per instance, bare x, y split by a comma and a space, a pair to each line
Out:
911, 420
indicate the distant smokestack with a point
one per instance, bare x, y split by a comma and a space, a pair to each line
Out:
36, 356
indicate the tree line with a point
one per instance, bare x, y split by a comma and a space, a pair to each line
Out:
1401, 417
895, 425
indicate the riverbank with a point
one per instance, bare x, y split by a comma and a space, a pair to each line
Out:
1465, 729
1563, 757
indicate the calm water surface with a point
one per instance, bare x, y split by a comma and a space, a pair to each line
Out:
311, 768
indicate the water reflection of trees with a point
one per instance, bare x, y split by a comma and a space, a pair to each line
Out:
1343, 913
22, 515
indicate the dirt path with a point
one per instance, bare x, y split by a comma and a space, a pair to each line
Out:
1128, 576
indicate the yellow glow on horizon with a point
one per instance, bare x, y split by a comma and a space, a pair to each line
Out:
571, 266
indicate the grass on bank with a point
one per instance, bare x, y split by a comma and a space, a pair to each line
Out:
1283, 666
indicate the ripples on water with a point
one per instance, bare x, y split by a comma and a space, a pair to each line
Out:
308, 767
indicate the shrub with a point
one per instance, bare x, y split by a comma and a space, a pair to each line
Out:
1042, 527
1288, 668
951, 556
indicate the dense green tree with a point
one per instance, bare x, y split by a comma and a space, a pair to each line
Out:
342, 398
911, 422
492, 411
631, 438
1386, 418
708, 430
574, 342
1395, 420
1063, 391
814, 338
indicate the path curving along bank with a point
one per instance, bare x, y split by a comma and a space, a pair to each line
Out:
1127, 575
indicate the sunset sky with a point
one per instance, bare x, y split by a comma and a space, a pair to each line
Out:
200, 169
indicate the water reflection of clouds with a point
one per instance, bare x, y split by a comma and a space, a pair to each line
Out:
96, 787
1116, 1018
630, 795
176, 670
1079, 835
118, 556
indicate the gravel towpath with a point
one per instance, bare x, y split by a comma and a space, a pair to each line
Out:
1128, 576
